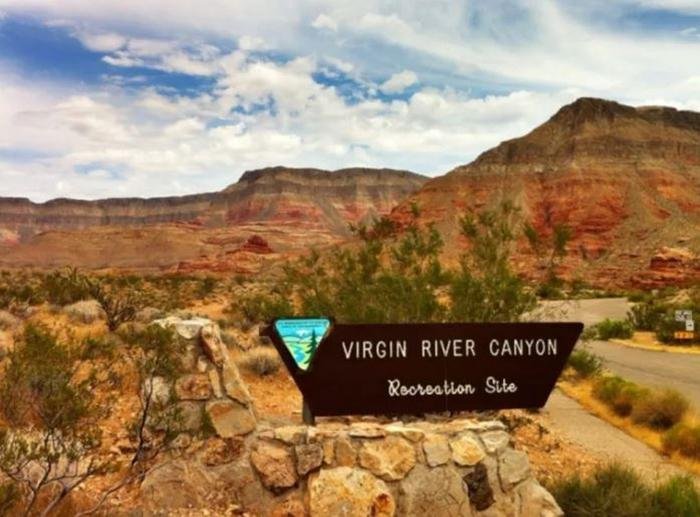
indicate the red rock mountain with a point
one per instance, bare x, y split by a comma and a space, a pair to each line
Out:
626, 180
268, 211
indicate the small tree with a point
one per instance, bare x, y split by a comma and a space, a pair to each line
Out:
486, 288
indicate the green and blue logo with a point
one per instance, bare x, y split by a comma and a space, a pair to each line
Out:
302, 337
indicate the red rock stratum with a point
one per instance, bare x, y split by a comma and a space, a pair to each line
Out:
626, 180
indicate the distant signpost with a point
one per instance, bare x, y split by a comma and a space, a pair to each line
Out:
688, 333
421, 368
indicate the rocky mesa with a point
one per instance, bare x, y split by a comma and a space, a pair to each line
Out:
626, 180
268, 211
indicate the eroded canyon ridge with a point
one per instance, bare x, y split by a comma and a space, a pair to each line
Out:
626, 181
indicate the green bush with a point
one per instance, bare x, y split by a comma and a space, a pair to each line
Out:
64, 287
660, 409
683, 438
261, 361
615, 490
620, 395
585, 363
609, 328
646, 314
398, 277
262, 307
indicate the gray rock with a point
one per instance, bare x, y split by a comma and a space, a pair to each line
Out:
513, 467
433, 491
233, 384
436, 449
536, 501
495, 441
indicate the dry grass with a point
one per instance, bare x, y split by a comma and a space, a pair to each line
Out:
583, 393
648, 341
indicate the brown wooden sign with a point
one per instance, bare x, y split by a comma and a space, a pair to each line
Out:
420, 368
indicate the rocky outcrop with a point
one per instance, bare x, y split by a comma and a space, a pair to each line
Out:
670, 266
626, 181
270, 210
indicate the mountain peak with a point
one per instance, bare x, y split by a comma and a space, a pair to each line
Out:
587, 109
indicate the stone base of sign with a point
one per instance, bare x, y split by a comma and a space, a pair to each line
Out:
459, 467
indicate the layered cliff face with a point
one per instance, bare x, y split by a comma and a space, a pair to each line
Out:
287, 209
625, 180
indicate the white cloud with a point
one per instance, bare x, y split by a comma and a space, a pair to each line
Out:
101, 42
324, 21
480, 83
399, 82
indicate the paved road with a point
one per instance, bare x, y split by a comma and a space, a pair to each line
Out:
648, 367
651, 368
606, 441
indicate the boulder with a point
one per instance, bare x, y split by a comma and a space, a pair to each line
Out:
309, 457
230, 418
466, 450
213, 345
513, 467
434, 491
191, 415
275, 465
390, 458
349, 492
535, 500
233, 384
495, 441
188, 329
436, 449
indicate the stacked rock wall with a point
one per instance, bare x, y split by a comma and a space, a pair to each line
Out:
459, 467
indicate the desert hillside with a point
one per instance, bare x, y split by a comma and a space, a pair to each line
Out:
626, 181
267, 211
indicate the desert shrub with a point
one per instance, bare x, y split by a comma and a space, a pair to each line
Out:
589, 333
84, 311
660, 409
585, 363
609, 328
119, 305
683, 438
619, 394
99, 347
620, 491
677, 496
261, 361
262, 307
646, 314
9, 497
64, 287
53, 420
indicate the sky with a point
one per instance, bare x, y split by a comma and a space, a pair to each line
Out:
115, 98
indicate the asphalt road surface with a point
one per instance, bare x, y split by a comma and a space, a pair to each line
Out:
647, 367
